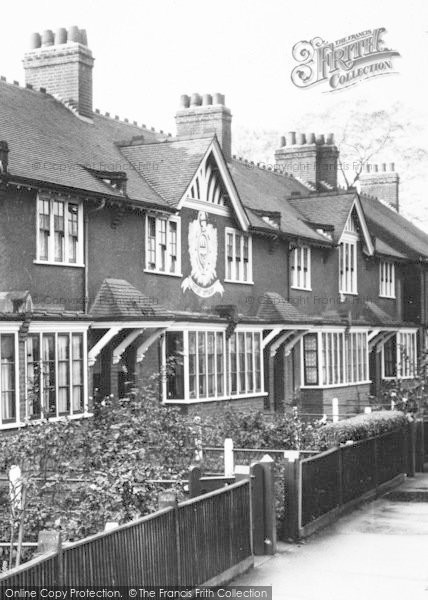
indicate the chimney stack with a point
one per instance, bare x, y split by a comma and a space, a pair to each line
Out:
313, 159
203, 116
381, 181
62, 63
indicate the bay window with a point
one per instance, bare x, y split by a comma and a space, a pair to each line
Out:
238, 252
386, 279
335, 358
399, 356
163, 245
300, 262
59, 231
55, 384
211, 367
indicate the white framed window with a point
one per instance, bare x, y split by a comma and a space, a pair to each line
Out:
202, 365
239, 256
59, 231
9, 409
399, 356
348, 265
55, 373
300, 262
334, 358
386, 279
163, 245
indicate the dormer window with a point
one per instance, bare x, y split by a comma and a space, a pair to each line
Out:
300, 262
348, 264
59, 231
386, 279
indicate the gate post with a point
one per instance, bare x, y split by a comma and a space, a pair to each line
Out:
194, 482
268, 464
257, 508
420, 446
411, 448
291, 525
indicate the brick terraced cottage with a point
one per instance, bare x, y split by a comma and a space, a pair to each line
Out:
123, 248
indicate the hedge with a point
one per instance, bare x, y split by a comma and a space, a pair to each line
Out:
360, 427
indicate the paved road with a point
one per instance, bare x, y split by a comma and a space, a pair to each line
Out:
378, 551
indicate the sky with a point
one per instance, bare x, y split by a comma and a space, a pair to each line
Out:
149, 53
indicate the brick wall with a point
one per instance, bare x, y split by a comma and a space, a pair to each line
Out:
352, 399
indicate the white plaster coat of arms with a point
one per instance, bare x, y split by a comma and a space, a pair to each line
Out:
203, 258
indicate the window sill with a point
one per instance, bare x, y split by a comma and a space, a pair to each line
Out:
301, 289
396, 378
62, 418
15, 425
334, 385
387, 297
153, 272
58, 264
239, 282
219, 399
348, 293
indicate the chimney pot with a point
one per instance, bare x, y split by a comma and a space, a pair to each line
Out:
61, 36
219, 99
320, 139
311, 138
73, 34
301, 139
207, 99
383, 166
35, 40
48, 38
291, 138
282, 141
330, 139
392, 166
376, 168
195, 100
184, 101
83, 37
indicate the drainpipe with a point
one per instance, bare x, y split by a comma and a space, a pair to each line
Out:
86, 220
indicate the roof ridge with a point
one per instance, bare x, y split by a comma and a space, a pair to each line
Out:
126, 121
268, 169
28, 86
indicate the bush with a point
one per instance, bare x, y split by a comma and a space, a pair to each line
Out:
359, 428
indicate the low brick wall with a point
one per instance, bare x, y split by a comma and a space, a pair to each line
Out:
351, 399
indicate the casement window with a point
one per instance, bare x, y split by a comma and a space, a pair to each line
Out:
59, 231
55, 382
386, 279
300, 262
310, 358
163, 245
348, 266
8, 383
202, 365
238, 252
400, 356
340, 358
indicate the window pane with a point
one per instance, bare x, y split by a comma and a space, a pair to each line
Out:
233, 365
220, 363
77, 373
48, 375
202, 355
257, 362
175, 365
192, 364
8, 412
249, 361
73, 231
172, 246
310, 358
210, 357
241, 365
33, 375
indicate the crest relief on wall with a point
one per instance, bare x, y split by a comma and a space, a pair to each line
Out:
203, 250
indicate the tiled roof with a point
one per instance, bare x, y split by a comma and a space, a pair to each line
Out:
328, 209
264, 190
49, 143
274, 308
117, 298
396, 231
168, 167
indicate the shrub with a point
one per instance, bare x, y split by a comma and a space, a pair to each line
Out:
360, 427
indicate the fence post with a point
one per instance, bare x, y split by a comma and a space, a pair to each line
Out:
258, 527
420, 450
335, 409
292, 491
60, 562
268, 464
411, 447
194, 481
229, 466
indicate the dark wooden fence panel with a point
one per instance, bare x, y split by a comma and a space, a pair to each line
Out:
391, 456
358, 469
320, 485
187, 545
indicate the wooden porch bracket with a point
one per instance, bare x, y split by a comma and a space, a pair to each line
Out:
141, 350
383, 341
282, 338
270, 336
94, 352
120, 349
289, 347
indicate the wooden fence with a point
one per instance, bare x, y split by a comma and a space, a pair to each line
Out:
318, 488
194, 543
